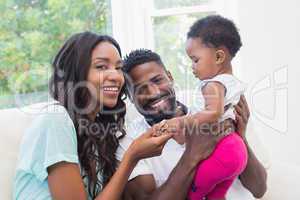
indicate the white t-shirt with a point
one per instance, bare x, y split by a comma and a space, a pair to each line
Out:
234, 88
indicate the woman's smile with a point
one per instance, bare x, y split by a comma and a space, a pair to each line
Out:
111, 90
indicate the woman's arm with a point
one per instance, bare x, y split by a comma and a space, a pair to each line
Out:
65, 182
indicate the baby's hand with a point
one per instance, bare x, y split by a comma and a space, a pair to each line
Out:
176, 128
160, 128
171, 126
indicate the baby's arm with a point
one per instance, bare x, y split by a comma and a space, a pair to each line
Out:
213, 93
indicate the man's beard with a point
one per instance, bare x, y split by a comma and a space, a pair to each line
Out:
153, 118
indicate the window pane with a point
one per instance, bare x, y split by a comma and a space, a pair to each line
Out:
170, 36
31, 32
163, 4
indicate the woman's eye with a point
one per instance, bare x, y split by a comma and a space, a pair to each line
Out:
100, 67
118, 67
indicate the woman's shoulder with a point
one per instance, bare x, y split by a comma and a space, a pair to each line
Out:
53, 121
53, 114
51, 138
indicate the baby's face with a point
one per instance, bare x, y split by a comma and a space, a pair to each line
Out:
203, 59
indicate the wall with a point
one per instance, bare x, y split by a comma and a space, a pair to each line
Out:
270, 65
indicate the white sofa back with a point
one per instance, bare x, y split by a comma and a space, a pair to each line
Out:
13, 123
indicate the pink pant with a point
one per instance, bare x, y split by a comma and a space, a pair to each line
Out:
215, 175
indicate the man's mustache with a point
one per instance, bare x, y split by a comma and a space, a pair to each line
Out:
151, 100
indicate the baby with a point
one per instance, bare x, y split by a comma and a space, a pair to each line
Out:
212, 43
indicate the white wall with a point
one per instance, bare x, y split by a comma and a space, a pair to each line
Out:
271, 36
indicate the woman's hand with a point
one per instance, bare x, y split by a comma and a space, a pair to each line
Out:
242, 115
148, 145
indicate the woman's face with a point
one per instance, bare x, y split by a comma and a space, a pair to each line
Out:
105, 74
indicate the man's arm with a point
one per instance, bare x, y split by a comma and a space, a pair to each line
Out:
254, 177
199, 147
144, 188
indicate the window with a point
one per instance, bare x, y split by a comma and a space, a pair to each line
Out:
171, 20
170, 44
31, 32
161, 25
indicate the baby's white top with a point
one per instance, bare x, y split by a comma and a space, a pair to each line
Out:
234, 88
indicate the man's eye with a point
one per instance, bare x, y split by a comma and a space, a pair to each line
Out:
158, 80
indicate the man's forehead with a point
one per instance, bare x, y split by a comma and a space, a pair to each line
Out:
145, 72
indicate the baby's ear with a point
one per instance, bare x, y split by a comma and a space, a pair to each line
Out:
220, 56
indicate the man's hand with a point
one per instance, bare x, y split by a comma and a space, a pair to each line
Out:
242, 115
199, 145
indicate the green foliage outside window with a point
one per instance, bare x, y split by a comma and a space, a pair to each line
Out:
32, 31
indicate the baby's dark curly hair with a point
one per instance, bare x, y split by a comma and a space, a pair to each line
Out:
138, 57
216, 31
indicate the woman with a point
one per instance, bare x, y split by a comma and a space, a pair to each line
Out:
70, 154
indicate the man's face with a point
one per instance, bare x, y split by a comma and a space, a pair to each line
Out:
152, 91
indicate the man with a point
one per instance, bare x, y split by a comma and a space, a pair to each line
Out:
169, 176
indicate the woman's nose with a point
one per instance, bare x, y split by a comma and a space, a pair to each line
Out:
114, 75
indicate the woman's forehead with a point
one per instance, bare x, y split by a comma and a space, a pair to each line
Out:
106, 51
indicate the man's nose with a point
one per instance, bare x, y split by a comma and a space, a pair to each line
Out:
152, 90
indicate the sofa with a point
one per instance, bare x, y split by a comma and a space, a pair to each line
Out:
282, 177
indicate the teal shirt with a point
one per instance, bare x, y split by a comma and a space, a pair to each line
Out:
50, 139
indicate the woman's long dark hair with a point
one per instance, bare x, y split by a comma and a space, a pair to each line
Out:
97, 140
